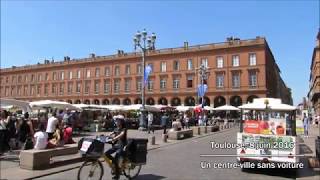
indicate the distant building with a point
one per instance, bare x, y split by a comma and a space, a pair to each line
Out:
314, 92
240, 70
303, 107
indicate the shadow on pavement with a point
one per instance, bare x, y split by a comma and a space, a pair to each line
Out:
11, 158
304, 149
306, 171
81, 134
149, 177
287, 173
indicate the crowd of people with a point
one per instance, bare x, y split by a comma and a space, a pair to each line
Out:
17, 131
308, 121
182, 120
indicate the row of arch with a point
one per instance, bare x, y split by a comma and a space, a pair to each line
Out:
176, 101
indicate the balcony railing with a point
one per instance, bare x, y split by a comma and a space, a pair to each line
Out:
237, 43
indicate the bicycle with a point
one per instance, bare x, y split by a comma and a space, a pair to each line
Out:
95, 167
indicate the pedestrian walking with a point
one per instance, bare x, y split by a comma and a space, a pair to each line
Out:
25, 133
52, 123
4, 132
67, 117
164, 120
181, 119
205, 119
200, 120
225, 124
150, 122
12, 131
186, 121
305, 125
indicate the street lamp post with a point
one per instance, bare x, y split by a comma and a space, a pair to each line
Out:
203, 71
145, 43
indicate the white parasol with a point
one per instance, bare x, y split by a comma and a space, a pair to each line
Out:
24, 105
52, 104
139, 106
184, 108
226, 108
113, 107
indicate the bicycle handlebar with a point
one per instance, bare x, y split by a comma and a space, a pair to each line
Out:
105, 139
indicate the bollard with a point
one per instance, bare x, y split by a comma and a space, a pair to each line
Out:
203, 129
97, 127
196, 130
210, 129
164, 137
153, 140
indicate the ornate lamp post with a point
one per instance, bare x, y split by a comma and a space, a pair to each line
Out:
145, 43
203, 72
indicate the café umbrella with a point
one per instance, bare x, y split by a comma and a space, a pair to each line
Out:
6, 103
139, 106
226, 108
52, 104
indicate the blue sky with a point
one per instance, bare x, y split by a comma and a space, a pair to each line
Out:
34, 30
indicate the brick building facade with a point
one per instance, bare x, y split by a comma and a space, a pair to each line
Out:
314, 92
239, 70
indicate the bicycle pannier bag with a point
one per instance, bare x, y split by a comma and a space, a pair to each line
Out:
91, 147
138, 150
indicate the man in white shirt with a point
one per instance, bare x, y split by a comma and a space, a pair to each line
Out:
40, 138
51, 126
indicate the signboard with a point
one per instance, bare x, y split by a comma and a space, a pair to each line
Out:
271, 127
274, 148
251, 126
85, 146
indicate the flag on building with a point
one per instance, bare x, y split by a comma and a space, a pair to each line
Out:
202, 89
147, 71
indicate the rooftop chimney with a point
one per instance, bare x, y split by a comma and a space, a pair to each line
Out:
66, 58
120, 52
236, 39
229, 39
186, 45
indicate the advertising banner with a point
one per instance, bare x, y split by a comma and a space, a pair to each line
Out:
271, 127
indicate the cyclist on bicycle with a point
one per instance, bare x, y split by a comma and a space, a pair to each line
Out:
119, 140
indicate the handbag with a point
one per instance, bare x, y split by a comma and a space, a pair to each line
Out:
28, 144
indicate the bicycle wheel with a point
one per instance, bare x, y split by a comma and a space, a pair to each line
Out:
131, 170
91, 169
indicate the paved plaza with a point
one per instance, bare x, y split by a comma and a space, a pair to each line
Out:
175, 160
